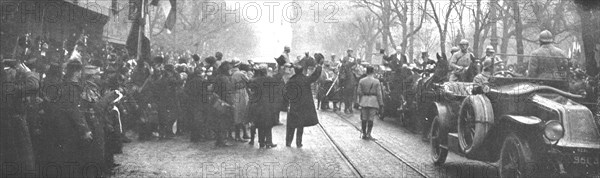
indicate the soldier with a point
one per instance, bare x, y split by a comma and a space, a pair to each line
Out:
370, 99
490, 54
453, 50
348, 81
482, 78
460, 62
549, 59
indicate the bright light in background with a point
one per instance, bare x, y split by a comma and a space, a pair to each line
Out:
272, 35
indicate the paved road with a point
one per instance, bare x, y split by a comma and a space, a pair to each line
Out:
343, 155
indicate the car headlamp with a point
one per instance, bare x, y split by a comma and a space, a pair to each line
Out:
553, 130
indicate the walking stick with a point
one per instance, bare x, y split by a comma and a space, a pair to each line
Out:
333, 84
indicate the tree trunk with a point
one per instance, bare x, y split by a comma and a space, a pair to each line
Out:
483, 37
518, 31
442, 40
478, 29
411, 49
404, 44
369, 50
505, 37
591, 38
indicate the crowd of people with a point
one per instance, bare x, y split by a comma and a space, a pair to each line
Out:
69, 117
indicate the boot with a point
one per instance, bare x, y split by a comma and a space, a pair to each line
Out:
363, 129
252, 135
369, 129
245, 131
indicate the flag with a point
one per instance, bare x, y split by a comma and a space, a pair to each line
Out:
172, 17
132, 38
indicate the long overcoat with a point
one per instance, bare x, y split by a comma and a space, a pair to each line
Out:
302, 111
265, 100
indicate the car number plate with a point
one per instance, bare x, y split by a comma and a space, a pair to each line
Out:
586, 160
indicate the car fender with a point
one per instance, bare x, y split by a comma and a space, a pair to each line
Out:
524, 120
444, 111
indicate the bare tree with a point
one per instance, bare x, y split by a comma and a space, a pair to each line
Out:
382, 9
369, 31
481, 23
442, 21
400, 8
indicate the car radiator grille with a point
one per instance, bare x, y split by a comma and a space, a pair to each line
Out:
581, 126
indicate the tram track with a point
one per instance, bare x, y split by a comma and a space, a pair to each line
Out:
337, 147
378, 143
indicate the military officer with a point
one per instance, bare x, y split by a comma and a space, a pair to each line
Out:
370, 100
548, 60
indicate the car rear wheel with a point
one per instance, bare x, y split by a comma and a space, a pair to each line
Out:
516, 159
437, 140
474, 121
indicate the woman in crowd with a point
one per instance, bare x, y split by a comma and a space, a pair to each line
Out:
240, 100
224, 87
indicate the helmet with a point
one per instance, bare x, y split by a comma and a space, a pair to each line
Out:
463, 42
546, 37
454, 49
489, 49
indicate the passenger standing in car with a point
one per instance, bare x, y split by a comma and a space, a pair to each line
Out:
460, 62
548, 59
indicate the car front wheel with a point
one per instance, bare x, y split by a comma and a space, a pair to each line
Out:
516, 159
438, 140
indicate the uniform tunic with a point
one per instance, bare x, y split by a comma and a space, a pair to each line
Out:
549, 60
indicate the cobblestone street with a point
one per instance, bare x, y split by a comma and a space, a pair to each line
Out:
396, 153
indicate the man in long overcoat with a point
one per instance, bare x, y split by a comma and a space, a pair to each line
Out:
302, 111
265, 102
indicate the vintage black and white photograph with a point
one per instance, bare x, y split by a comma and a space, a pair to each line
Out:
300, 88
